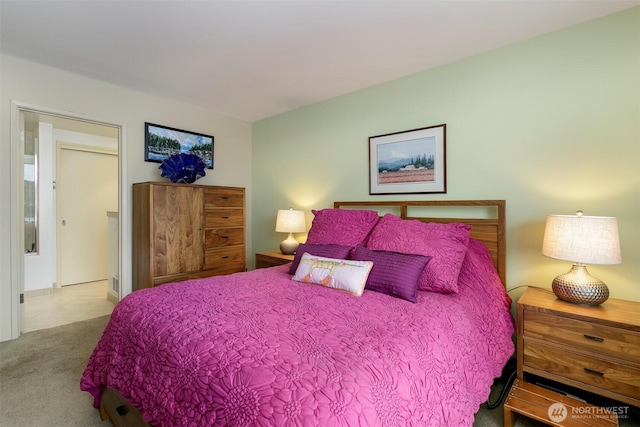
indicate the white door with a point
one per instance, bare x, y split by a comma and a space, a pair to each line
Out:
87, 188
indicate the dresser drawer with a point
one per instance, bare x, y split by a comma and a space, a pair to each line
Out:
225, 256
581, 335
224, 237
225, 197
586, 369
214, 218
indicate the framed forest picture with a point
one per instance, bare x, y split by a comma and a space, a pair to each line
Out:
161, 142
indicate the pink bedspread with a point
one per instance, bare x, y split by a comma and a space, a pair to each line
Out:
257, 349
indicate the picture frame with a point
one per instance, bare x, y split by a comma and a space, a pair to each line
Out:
408, 162
160, 142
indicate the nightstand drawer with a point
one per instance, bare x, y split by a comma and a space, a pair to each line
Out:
592, 371
582, 335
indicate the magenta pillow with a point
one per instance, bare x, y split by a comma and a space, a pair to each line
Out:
393, 273
445, 243
327, 251
341, 226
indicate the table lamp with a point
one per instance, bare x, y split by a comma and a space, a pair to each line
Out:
581, 240
290, 221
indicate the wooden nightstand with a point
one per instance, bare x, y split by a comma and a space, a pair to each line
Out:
596, 349
271, 259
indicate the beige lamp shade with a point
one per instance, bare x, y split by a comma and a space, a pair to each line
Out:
290, 221
581, 240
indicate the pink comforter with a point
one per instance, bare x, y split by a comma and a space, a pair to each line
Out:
257, 348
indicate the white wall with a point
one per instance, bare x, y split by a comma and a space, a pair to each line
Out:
32, 83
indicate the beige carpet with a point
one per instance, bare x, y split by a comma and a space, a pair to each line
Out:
40, 377
40, 374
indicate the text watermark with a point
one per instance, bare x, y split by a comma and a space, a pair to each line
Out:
559, 412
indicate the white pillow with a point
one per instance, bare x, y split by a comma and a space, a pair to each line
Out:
345, 275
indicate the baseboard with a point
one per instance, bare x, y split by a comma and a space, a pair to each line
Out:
38, 292
112, 297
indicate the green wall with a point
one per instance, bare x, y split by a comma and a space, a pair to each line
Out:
551, 124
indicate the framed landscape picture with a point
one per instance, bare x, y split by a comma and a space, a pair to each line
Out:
408, 162
161, 141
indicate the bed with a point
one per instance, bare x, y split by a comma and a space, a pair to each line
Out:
416, 340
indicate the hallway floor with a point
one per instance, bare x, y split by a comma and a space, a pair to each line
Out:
65, 305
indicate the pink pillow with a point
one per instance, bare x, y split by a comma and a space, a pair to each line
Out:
445, 243
341, 226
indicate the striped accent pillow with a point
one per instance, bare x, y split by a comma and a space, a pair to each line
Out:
393, 273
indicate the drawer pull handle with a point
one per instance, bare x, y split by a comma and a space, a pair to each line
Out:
591, 371
225, 217
591, 337
225, 197
122, 410
227, 256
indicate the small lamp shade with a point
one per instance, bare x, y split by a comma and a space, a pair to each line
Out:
581, 240
290, 221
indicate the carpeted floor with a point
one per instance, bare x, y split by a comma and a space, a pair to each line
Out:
40, 377
40, 374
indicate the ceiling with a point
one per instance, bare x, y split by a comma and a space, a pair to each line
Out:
254, 59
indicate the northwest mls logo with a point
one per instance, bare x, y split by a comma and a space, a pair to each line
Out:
557, 412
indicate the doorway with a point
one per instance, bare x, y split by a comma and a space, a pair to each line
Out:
79, 152
86, 191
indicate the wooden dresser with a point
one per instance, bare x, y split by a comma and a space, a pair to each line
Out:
596, 349
186, 231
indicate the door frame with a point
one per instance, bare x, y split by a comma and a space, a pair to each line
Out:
17, 205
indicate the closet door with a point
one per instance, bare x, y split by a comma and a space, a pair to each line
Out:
87, 189
177, 232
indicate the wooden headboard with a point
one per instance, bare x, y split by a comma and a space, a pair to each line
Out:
486, 218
